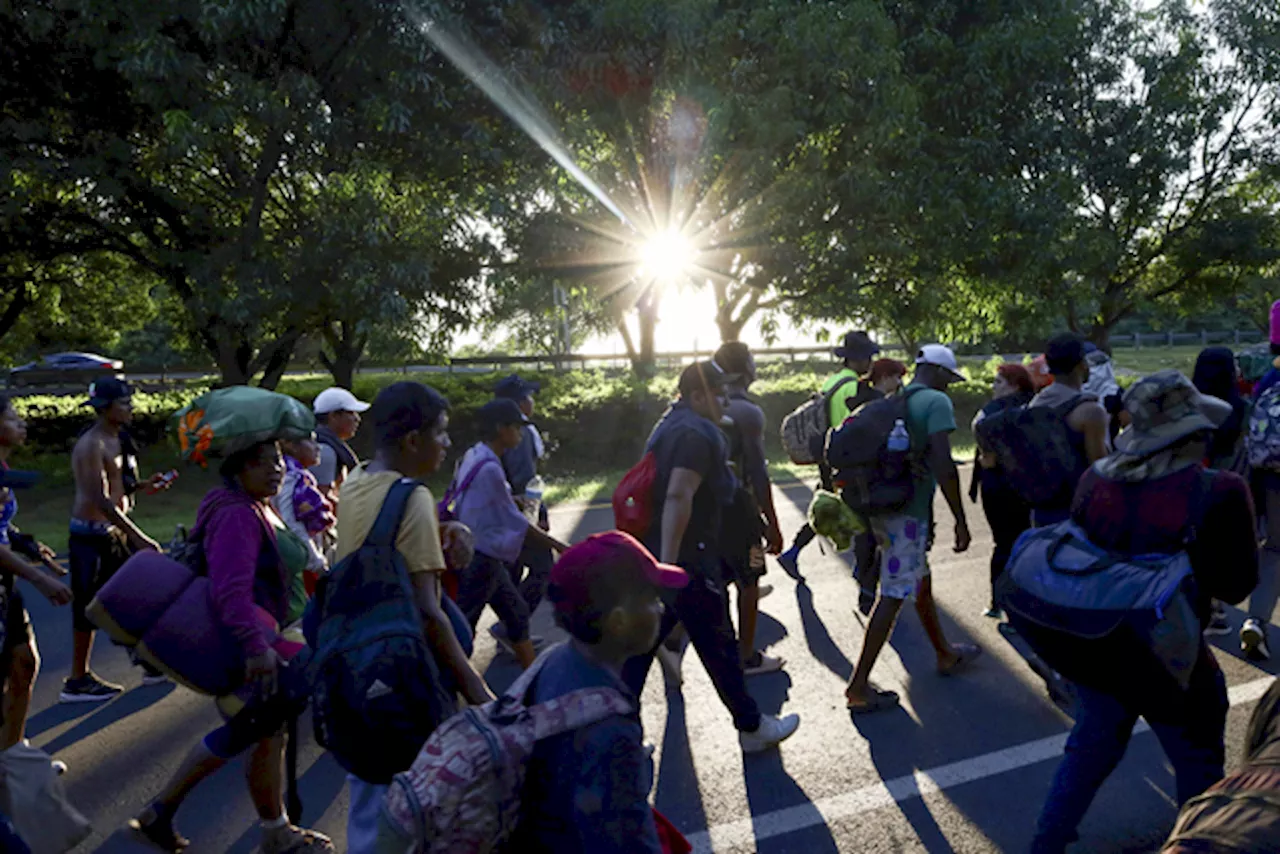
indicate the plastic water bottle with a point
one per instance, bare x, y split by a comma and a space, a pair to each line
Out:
533, 492
899, 438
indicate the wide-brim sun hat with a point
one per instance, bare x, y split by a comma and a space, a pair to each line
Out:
1166, 408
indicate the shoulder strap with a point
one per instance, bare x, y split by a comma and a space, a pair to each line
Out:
581, 708
831, 393
456, 490
1065, 409
386, 528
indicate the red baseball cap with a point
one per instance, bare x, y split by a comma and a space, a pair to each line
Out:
575, 574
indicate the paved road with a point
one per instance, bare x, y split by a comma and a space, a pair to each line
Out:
962, 766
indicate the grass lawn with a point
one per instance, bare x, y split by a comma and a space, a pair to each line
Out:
1148, 360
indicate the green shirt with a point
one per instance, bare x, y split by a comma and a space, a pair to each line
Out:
929, 412
840, 409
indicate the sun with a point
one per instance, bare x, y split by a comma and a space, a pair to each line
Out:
667, 257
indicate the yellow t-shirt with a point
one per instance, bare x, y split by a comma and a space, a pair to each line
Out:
419, 537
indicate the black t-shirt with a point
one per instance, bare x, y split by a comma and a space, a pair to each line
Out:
686, 448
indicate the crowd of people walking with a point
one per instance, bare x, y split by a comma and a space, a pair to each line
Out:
388, 585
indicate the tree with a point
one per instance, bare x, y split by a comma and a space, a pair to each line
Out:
201, 142
1143, 149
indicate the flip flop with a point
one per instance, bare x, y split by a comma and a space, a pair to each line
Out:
966, 653
879, 701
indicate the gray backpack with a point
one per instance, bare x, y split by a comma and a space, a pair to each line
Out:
804, 431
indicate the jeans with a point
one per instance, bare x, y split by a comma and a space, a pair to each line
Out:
1262, 603
703, 608
487, 581
1009, 517
362, 817
1192, 740
538, 560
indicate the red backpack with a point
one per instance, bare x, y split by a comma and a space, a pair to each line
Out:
633, 499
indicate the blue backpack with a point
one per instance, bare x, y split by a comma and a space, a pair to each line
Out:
1065, 594
377, 691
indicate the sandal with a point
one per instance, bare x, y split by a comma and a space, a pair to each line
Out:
879, 701
966, 654
161, 834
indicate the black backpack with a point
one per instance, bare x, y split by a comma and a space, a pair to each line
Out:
876, 480
1035, 451
378, 694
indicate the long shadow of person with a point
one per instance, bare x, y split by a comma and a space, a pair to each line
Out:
771, 789
117, 710
678, 794
821, 646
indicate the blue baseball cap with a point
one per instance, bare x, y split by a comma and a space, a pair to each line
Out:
515, 388
107, 391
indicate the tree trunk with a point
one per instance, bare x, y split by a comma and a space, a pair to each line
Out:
348, 348
278, 356
647, 315
229, 353
17, 305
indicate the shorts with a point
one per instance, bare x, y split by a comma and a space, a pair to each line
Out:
94, 558
741, 540
17, 625
904, 554
745, 572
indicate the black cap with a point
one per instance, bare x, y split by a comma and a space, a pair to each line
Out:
857, 345
515, 388
500, 412
1064, 353
704, 376
107, 391
403, 407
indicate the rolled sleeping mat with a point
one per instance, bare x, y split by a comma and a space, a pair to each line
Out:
163, 610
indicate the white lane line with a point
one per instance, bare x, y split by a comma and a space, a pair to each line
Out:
745, 833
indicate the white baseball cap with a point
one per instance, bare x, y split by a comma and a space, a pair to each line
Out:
942, 357
337, 400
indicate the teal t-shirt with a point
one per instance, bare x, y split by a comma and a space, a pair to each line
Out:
929, 412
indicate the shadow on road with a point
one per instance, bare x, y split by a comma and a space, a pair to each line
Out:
114, 712
770, 788
819, 640
678, 795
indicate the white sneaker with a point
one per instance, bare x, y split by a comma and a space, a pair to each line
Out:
672, 662
771, 732
760, 664
1253, 641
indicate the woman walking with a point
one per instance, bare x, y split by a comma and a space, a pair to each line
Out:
252, 558
1005, 510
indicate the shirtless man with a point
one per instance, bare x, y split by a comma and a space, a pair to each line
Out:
102, 534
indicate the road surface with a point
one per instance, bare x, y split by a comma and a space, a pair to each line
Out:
963, 765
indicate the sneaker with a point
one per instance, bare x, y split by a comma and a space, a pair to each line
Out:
790, 563
1218, 625
152, 676
59, 767
771, 732
1253, 641
672, 661
160, 832
759, 664
294, 840
994, 613
88, 689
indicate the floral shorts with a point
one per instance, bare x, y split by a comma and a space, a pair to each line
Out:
904, 554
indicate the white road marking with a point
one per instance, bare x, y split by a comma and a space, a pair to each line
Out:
745, 833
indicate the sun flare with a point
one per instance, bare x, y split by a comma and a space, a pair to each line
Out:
667, 257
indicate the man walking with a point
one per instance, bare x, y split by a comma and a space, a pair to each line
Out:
692, 488
743, 533
337, 420
104, 463
1144, 500
905, 538
848, 389
1086, 420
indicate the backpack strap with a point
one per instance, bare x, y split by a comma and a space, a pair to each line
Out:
386, 528
1199, 506
457, 490
1065, 409
565, 713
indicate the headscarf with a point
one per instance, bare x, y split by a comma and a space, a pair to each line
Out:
1215, 374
